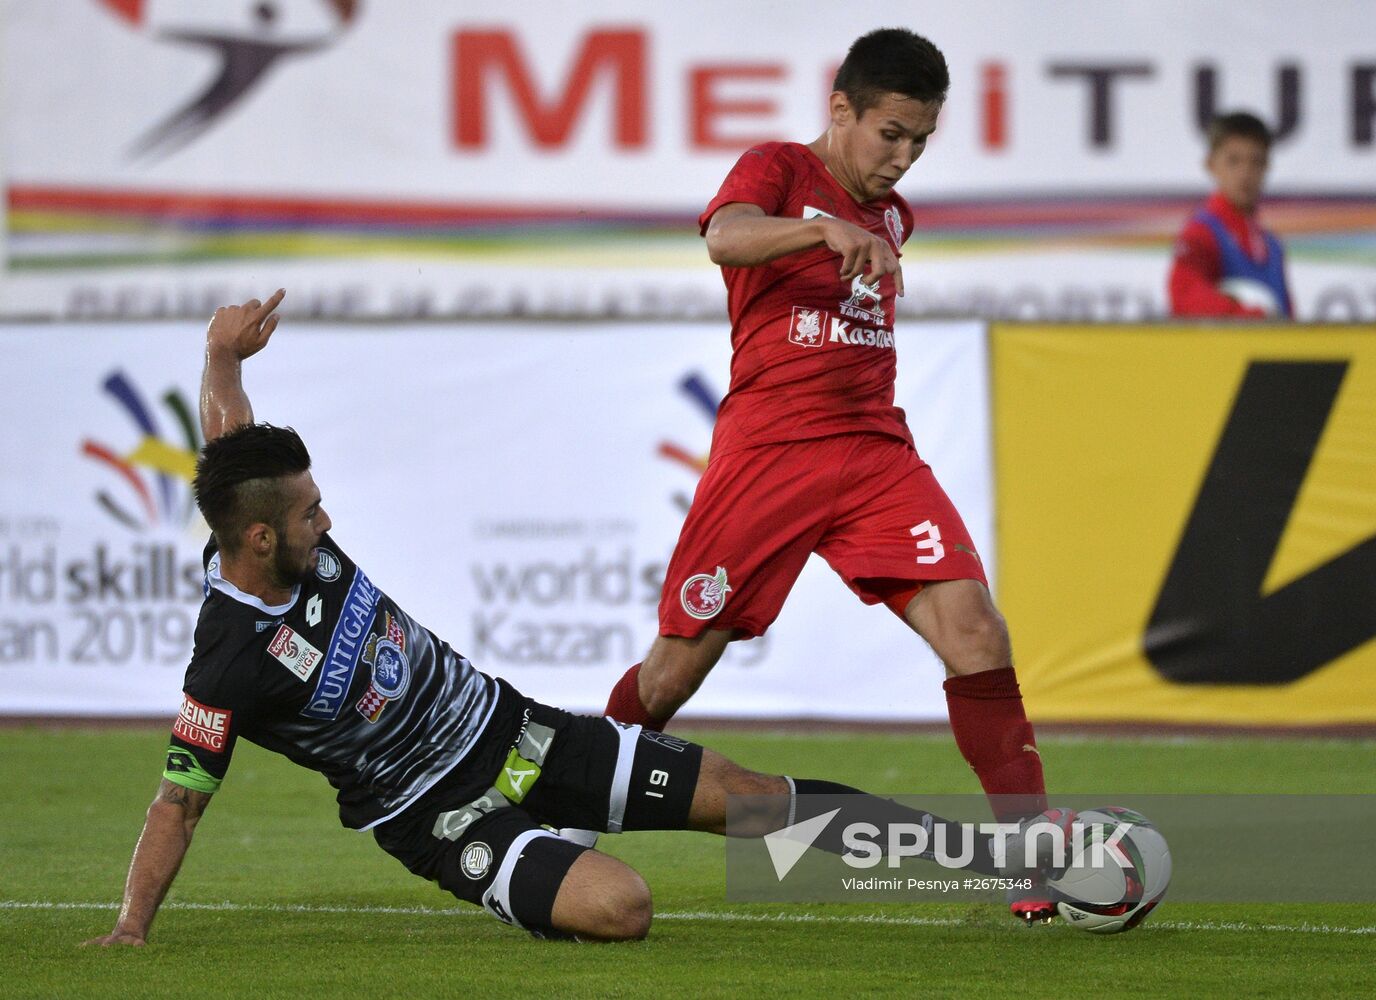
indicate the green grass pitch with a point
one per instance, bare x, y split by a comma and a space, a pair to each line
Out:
277, 900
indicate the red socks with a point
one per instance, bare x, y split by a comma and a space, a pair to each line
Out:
988, 720
625, 705
993, 733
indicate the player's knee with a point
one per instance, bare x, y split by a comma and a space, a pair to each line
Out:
636, 918
675, 668
980, 640
602, 899
670, 691
671, 679
627, 910
991, 633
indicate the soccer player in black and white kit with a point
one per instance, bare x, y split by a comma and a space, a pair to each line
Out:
455, 772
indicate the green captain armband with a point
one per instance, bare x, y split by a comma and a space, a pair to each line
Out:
184, 769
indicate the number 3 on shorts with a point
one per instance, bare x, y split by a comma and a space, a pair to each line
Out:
929, 545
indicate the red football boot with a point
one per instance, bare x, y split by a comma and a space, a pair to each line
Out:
1035, 904
1032, 905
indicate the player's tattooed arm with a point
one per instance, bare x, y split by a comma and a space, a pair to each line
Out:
189, 799
172, 819
236, 333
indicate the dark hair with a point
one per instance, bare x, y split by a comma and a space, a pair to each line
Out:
892, 61
239, 479
1241, 124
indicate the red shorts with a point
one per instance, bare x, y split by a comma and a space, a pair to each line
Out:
866, 503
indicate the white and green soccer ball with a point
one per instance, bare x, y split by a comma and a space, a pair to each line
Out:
1118, 868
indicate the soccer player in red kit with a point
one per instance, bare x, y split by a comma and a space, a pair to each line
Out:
809, 453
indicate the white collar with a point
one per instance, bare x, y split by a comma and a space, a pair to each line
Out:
213, 577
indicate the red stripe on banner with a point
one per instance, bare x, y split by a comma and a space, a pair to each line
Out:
202, 206
1163, 214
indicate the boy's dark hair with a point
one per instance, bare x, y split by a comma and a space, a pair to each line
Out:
239, 479
1242, 124
892, 61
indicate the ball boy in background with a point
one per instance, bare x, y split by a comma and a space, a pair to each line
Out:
1226, 264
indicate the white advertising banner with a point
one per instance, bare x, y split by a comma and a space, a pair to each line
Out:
518, 488
641, 107
400, 159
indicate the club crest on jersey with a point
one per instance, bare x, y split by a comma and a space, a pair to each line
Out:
893, 222
385, 656
327, 565
865, 302
703, 596
807, 328
475, 860
294, 652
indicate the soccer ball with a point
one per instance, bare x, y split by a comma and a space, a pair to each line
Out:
1118, 867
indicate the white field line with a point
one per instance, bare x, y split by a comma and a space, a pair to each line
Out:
685, 915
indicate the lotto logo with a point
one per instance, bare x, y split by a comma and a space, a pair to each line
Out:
807, 327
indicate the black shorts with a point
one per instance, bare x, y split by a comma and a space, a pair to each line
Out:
563, 770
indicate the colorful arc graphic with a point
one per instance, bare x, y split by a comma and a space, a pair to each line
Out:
169, 463
695, 387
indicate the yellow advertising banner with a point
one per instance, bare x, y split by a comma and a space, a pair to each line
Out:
1186, 521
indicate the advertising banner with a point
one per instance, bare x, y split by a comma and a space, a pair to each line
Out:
1187, 521
404, 159
517, 488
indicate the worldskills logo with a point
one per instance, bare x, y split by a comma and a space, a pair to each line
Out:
247, 38
156, 473
706, 401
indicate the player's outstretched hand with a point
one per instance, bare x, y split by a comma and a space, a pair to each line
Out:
244, 330
862, 252
117, 937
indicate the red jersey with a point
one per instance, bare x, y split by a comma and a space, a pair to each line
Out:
1198, 266
812, 355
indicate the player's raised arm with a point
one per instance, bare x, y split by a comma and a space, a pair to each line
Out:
742, 235
167, 831
235, 333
